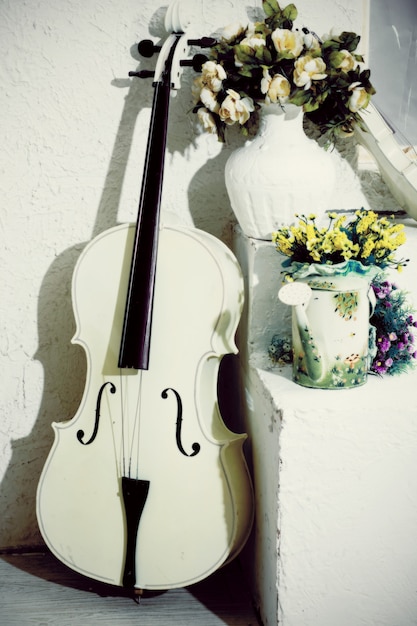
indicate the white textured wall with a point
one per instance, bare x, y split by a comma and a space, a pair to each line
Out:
73, 135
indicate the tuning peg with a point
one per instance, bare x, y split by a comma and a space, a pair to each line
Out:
196, 62
147, 48
204, 42
143, 74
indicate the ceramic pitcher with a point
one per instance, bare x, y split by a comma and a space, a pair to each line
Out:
330, 329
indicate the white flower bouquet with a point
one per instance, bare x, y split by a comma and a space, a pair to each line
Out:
271, 61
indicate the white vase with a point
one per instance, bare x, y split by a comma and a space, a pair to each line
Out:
280, 173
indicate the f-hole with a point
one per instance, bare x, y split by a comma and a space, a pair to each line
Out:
80, 433
196, 446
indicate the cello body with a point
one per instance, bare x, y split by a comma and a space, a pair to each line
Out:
159, 428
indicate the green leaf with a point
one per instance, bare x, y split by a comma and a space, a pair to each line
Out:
245, 71
262, 29
283, 56
244, 53
263, 55
290, 12
365, 75
270, 7
299, 97
330, 44
349, 40
336, 58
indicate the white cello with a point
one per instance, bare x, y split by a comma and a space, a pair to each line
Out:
145, 487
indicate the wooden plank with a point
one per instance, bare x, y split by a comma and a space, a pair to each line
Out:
36, 589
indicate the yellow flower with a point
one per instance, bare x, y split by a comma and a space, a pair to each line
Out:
340, 240
351, 252
339, 222
297, 233
365, 221
367, 238
311, 233
327, 245
315, 255
283, 242
400, 239
367, 248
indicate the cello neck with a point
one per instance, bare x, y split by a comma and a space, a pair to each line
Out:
136, 333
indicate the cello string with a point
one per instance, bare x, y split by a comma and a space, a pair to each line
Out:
137, 423
130, 412
122, 461
113, 424
134, 449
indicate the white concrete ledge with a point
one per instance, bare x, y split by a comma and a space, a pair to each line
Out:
335, 476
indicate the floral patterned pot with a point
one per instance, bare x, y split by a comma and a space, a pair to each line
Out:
330, 328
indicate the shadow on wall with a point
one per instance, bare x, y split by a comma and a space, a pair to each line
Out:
64, 365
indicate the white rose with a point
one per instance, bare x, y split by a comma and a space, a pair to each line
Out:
235, 109
334, 33
265, 81
307, 69
288, 41
359, 98
311, 42
208, 98
233, 31
206, 119
277, 89
213, 75
344, 60
254, 41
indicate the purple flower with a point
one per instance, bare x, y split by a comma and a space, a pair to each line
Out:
379, 367
383, 290
384, 344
